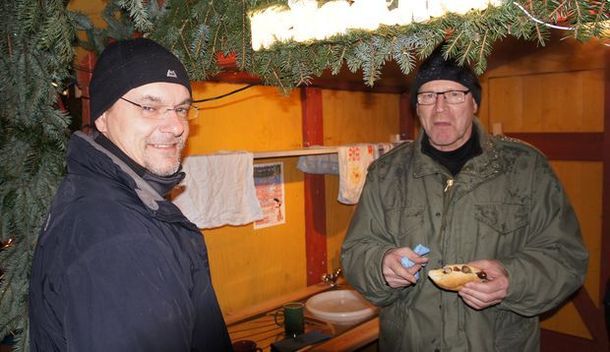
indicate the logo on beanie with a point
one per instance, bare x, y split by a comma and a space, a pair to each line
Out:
171, 73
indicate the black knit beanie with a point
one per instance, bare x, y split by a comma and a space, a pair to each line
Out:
435, 67
129, 64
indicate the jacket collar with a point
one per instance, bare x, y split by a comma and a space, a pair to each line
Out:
115, 168
484, 165
162, 184
146, 193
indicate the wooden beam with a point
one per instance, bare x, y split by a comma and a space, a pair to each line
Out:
407, 118
605, 241
551, 341
352, 339
585, 146
337, 84
84, 71
232, 318
593, 318
315, 199
235, 77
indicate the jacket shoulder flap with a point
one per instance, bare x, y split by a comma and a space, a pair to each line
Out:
518, 144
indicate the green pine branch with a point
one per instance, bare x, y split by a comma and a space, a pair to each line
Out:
36, 45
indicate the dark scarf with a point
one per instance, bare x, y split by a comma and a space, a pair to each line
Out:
162, 184
454, 160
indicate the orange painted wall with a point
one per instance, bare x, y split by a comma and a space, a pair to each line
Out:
249, 266
352, 117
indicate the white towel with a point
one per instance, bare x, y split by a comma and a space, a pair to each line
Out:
219, 190
353, 163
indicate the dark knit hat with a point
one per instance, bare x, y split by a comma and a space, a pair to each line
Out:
435, 67
129, 64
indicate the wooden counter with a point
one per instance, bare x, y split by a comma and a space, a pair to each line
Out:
257, 323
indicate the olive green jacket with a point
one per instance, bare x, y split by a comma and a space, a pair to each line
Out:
505, 204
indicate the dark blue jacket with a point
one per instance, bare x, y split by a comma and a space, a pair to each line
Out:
119, 268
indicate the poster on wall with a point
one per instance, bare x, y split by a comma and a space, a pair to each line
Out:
269, 183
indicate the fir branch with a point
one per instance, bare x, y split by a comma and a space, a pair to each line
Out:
138, 11
39, 42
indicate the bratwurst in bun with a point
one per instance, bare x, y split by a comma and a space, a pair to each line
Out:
454, 277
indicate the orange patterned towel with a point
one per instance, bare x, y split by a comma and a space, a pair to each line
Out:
353, 163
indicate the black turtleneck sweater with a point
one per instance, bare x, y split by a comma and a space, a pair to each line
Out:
162, 184
454, 160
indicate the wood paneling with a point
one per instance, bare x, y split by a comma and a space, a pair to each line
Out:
583, 184
352, 117
256, 119
565, 146
408, 122
357, 117
553, 102
514, 57
250, 266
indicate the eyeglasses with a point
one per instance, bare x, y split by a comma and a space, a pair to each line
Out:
451, 97
159, 112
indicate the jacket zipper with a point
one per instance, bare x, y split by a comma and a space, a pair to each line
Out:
447, 195
448, 185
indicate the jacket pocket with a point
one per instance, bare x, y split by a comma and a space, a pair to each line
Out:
404, 222
502, 218
513, 332
500, 228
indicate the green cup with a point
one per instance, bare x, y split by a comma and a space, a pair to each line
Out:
293, 318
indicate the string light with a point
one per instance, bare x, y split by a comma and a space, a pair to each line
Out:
304, 21
542, 22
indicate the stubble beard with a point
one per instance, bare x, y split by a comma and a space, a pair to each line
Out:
169, 165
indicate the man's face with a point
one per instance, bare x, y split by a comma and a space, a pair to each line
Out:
155, 144
448, 126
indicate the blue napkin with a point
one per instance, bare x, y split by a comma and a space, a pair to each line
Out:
420, 250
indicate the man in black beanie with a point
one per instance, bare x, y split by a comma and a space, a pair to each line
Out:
491, 202
117, 266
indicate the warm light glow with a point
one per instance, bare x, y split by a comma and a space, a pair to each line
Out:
305, 21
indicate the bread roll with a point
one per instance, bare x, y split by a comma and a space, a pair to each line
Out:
453, 277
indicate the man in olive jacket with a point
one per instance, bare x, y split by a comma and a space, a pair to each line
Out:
491, 202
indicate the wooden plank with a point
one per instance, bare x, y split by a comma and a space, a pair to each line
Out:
512, 57
593, 318
551, 341
605, 245
315, 201
235, 77
337, 84
352, 339
566, 146
549, 102
84, 72
232, 318
406, 117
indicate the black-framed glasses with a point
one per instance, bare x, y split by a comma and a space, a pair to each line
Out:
159, 112
451, 97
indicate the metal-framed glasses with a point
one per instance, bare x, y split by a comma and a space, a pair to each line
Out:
159, 112
451, 97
